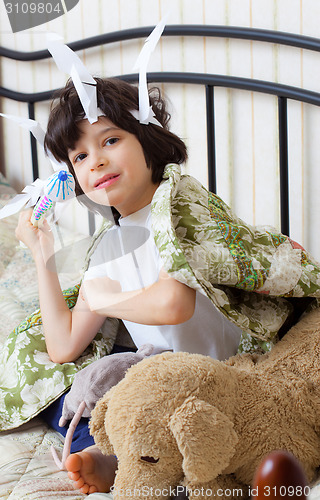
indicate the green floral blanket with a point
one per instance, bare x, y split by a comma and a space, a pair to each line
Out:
29, 380
249, 273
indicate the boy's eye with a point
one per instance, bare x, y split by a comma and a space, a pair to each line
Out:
111, 140
79, 157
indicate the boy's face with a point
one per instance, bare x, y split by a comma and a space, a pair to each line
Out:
111, 168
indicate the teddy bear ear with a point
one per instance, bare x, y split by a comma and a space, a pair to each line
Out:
97, 425
205, 438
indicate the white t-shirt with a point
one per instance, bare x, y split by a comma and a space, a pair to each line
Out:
127, 253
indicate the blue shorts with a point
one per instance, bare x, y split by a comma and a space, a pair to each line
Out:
81, 437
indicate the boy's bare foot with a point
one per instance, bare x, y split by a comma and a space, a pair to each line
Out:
91, 471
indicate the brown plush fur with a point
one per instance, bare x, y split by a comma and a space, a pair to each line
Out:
208, 424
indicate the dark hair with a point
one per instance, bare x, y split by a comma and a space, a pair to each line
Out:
116, 99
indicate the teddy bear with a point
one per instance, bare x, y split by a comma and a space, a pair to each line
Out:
179, 419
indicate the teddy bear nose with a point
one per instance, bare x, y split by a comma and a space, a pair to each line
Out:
151, 460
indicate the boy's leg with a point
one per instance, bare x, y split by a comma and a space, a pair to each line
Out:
81, 438
87, 467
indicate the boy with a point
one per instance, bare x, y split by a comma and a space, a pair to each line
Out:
119, 163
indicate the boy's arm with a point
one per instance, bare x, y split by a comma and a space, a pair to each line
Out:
166, 302
67, 333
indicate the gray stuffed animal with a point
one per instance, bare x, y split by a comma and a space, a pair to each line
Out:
91, 383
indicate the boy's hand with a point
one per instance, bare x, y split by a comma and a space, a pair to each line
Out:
39, 240
165, 302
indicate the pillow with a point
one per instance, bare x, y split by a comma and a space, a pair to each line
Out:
8, 240
29, 380
5, 187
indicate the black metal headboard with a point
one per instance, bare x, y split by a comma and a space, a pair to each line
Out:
209, 81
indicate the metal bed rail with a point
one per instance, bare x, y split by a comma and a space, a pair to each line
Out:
209, 81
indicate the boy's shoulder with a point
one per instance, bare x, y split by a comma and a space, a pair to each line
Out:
185, 189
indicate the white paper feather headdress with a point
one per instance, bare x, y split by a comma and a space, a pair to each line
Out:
86, 87
145, 114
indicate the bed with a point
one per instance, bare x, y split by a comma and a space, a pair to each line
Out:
27, 470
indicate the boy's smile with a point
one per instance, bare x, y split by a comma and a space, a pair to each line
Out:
110, 166
105, 181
